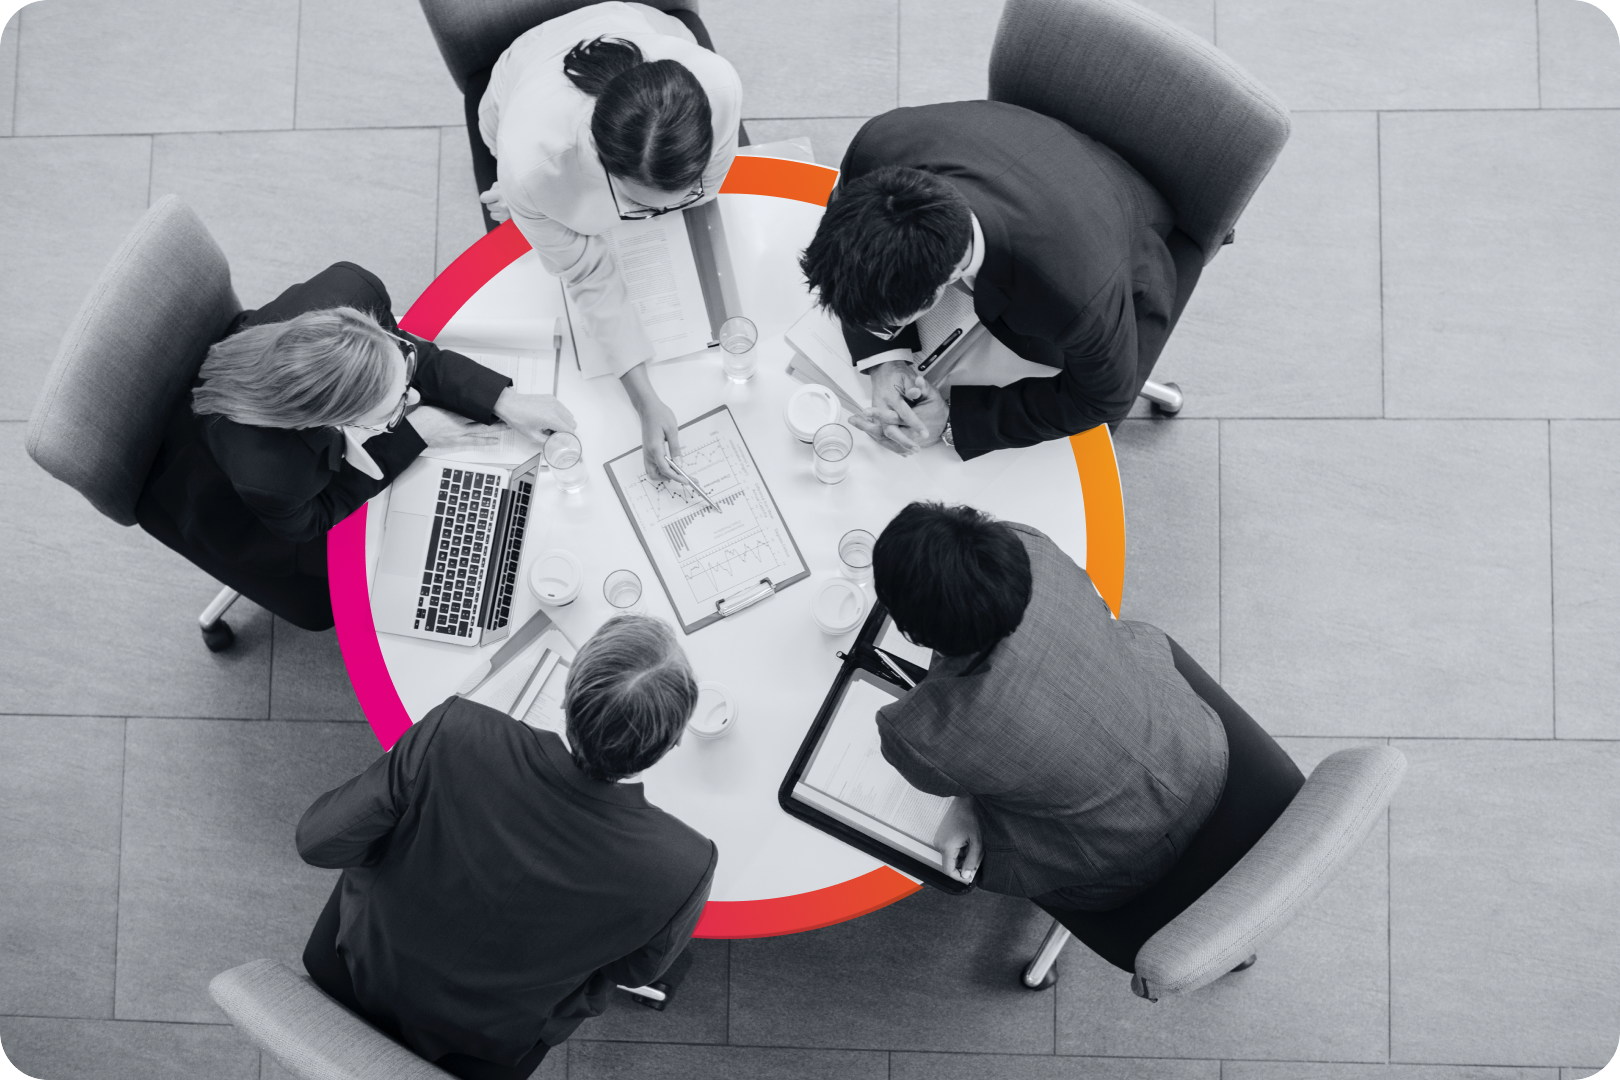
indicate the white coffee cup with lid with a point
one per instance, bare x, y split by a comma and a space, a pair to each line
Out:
809, 407
716, 711
838, 605
556, 577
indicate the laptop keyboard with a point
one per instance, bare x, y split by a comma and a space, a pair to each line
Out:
466, 521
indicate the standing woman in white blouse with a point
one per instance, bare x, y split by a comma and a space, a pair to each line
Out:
611, 112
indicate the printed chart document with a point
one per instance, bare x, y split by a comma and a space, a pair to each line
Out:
526, 676
711, 560
654, 257
847, 778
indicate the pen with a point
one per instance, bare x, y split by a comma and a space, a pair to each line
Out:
689, 482
939, 350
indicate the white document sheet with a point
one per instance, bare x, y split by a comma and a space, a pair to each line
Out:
528, 683
704, 553
818, 339
654, 257
849, 779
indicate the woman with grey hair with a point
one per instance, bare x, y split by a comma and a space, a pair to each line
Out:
497, 883
306, 408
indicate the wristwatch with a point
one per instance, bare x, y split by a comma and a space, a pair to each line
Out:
946, 436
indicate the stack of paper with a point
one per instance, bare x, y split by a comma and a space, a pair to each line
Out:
526, 677
820, 356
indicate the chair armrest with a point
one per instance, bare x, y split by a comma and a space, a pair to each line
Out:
1302, 851
315, 1038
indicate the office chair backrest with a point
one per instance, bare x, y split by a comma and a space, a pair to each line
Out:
472, 34
1197, 126
131, 351
1303, 850
315, 1038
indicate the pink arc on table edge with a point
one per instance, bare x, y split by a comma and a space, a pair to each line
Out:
362, 653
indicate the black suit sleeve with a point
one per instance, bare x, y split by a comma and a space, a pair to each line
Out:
643, 966
1096, 385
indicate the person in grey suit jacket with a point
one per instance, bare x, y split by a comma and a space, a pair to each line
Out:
1082, 761
498, 882
1071, 258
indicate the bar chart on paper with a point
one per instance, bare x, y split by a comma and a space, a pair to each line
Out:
701, 552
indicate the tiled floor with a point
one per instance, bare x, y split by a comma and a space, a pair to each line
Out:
1390, 511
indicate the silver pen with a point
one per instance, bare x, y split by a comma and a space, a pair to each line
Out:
689, 482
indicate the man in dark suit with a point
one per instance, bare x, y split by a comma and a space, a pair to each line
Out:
1083, 762
497, 883
1070, 256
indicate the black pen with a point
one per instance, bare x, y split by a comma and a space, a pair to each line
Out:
939, 350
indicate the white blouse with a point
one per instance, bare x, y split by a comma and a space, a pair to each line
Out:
538, 125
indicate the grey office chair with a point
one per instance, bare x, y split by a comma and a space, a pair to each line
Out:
131, 351
284, 1013
1197, 127
1303, 850
472, 34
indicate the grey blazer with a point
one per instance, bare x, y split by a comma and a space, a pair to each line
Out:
1090, 760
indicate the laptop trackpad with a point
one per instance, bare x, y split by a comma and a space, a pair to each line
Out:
404, 549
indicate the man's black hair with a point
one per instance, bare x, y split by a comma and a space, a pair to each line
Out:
955, 580
886, 244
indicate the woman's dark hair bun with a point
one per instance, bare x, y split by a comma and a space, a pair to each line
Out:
591, 65
652, 122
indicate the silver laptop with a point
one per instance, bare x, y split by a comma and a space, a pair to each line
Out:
450, 549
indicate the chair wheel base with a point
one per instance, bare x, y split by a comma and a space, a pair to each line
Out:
1047, 981
1247, 964
1165, 410
668, 992
219, 636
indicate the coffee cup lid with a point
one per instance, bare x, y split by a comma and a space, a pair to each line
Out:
809, 407
839, 605
556, 577
715, 713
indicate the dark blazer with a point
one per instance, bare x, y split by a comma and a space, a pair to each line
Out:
1090, 760
262, 499
1076, 274
493, 894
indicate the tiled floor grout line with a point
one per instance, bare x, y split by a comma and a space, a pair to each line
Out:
1389, 933
118, 877
1383, 333
1539, 95
298, 49
1552, 586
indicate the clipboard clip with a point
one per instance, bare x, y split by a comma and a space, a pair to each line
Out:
745, 597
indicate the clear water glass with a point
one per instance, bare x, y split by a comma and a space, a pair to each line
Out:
566, 459
855, 554
833, 445
738, 336
622, 590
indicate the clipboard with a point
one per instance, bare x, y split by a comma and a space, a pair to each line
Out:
775, 539
864, 661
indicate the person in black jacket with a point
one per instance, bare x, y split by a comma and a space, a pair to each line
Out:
1070, 256
496, 882
306, 408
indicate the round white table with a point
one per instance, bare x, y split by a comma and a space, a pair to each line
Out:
776, 874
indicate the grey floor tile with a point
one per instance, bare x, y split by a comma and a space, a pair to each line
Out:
105, 66
1386, 54
1319, 991
1498, 278
1312, 1070
829, 136
61, 780
130, 646
697, 1015
1504, 865
1580, 56
371, 63
1387, 577
1196, 15
1286, 320
114, 1050
1579, 1073
905, 1066
307, 678
831, 58
8, 74
68, 204
933, 972
1170, 473
603, 1061
461, 222
1586, 582
945, 49
210, 875
553, 1067
285, 205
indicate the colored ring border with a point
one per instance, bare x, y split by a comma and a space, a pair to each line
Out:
362, 653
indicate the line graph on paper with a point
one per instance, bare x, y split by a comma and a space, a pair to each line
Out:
704, 552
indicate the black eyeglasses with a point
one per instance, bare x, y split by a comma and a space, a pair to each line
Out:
642, 213
407, 349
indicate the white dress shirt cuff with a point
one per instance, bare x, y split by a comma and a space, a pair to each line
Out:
883, 358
